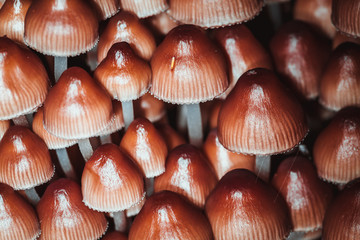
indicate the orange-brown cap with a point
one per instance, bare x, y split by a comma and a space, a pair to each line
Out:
222, 160
144, 8
342, 219
345, 16
171, 137
210, 14
214, 113
317, 13
149, 107
77, 107
18, 219
117, 121
61, 27
63, 215
1, 3
260, 116
106, 8
25, 159
144, 144
12, 18
24, 82
163, 23
126, 27
166, 215
115, 236
187, 173
252, 208
300, 55
124, 75
188, 67
341, 38
111, 181
337, 148
4, 125
135, 209
340, 81
306, 195
51, 141
243, 52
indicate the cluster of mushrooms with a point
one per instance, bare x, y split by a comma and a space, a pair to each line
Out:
173, 119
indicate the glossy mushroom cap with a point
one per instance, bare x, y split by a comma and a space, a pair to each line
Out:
106, 8
51, 141
345, 16
188, 67
252, 208
210, 14
222, 160
144, 144
126, 27
163, 23
115, 236
111, 182
337, 148
149, 107
341, 38
71, 27
144, 8
260, 116
117, 122
187, 173
306, 195
123, 74
243, 52
25, 159
18, 219
4, 125
300, 55
342, 217
63, 215
166, 215
172, 138
317, 13
12, 18
77, 107
340, 81
24, 82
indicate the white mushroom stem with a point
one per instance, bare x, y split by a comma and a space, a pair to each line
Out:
128, 112
32, 196
296, 236
181, 123
21, 121
263, 166
30, 118
119, 221
194, 124
149, 186
275, 14
105, 139
60, 65
65, 163
85, 148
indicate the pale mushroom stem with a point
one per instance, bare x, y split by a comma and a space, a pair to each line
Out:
65, 163
21, 121
30, 118
105, 139
32, 196
263, 166
149, 186
120, 221
275, 14
85, 148
128, 112
60, 65
296, 236
194, 124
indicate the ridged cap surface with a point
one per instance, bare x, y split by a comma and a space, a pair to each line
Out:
144, 8
345, 16
260, 116
106, 8
188, 67
4, 125
61, 27
77, 107
117, 121
25, 159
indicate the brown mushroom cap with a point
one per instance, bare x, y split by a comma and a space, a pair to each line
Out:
188, 67
341, 38
172, 138
115, 236
260, 116
24, 82
147, 106
345, 16
25, 159
166, 215
77, 107
117, 122
144, 8
252, 208
71, 27
4, 125
106, 8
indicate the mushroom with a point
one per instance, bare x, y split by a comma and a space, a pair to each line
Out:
144, 8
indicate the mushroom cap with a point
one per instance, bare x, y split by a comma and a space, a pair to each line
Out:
345, 16
4, 125
147, 106
144, 8
106, 8
115, 236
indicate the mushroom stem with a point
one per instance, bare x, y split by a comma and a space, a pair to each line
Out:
295, 236
263, 165
105, 139
91, 58
65, 163
149, 186
32, 196
181, 118
128, 112
275, 14
85, 148
21, 121
119, 221
194, 124
60, 65
29, 118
